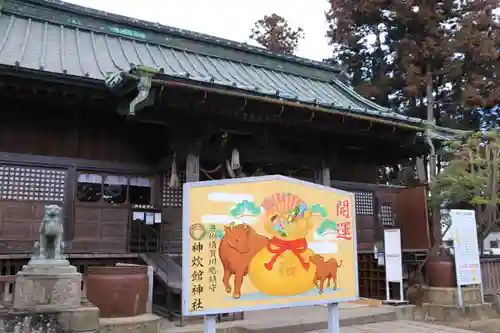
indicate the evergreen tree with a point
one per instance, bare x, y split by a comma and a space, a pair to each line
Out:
274, 33
396, 50
473, 70
367, 60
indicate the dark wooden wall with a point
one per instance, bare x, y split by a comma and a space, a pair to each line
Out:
380, 207
70, 133
409, 206
90, 227
100, 229
355, 169
19, 225
47, 149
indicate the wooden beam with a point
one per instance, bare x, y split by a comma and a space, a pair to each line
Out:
42, 78
26, 256
296, 133
363, 186
64, 162
262, 112
405, 143
260, 156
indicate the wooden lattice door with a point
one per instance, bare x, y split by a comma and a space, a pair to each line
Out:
24, 191
172, 214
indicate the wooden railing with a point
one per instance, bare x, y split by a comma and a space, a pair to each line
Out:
490, 274
144, 238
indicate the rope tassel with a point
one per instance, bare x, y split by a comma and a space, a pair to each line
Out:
174, 181
235, 159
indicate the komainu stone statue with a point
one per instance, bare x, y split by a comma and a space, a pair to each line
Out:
51, 243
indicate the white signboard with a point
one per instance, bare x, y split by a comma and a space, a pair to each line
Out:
466, 247
393, 260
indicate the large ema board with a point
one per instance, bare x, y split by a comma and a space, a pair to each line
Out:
266, 242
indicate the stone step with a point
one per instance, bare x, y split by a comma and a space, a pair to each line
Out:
296, 320
488, 325
401, 326
145, 323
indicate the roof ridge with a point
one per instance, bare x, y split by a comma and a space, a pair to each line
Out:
65, 6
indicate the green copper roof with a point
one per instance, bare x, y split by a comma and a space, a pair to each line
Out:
443, 133
56, 37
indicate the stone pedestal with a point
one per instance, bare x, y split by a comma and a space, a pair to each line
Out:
449, 296
48, 293
82, 319
48, 285
441, 304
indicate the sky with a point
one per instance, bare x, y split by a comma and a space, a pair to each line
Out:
230, 19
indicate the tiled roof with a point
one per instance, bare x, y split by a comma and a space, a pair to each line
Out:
24, 6
444, 134
37, 39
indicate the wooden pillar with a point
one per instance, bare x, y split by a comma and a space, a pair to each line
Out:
323, 176
69, 204
420, 166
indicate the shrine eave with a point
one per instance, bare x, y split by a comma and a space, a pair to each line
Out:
145, 78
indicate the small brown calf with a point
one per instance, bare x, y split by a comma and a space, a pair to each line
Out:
325, 271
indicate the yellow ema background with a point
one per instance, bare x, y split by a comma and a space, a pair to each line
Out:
199, 205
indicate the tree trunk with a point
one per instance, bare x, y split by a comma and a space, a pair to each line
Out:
480, 243
436, 218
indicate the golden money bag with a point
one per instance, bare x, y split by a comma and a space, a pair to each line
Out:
283, 268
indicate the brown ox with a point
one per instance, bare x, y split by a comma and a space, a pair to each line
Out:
325, 271
237, 248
